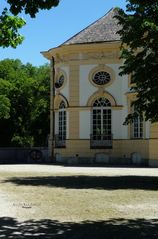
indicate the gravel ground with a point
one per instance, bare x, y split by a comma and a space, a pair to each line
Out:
80, 170
60, 202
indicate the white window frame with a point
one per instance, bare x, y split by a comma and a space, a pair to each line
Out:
137, 126
62, 122
104, 109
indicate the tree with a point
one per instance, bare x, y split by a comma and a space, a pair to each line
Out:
24, 104
139, 36
9, 26
10, 23
40, 113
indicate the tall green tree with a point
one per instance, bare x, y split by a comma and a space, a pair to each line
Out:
24, 104
10, 22
139, 36
40, 113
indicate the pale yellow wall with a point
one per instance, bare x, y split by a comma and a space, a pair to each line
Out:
74, 85
153, 146
80, 147
126, 147
153, 154
154, 131
74, 124
121, 149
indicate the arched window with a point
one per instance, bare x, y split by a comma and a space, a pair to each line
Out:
62, 121
102, 102
137, 125
101, 123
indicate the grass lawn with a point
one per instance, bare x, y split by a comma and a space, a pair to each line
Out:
39, 201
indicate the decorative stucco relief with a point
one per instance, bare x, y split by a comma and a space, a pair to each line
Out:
87, 56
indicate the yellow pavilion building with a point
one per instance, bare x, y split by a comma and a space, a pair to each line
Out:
90, 101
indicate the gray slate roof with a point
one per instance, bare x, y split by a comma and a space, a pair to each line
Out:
103, 30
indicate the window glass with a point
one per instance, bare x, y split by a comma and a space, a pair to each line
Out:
101, 119
137, 126
59, 82
101, 78
62, 121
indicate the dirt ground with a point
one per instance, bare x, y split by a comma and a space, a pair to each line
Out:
50, 201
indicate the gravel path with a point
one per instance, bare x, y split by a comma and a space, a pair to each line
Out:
48, 201
80, 170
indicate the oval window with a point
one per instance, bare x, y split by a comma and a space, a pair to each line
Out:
101, 78
59, 82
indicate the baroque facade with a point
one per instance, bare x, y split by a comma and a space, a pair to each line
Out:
90, 101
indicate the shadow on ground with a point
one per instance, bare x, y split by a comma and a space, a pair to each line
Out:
10, 228
89, 182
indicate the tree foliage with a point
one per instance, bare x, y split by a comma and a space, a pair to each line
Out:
9, 26
31, 7
24, 104
139, 36
10, 23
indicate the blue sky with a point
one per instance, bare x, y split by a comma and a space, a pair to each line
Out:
51, 28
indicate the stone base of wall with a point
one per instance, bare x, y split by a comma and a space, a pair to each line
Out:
153, 163
123, 152
93, 161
